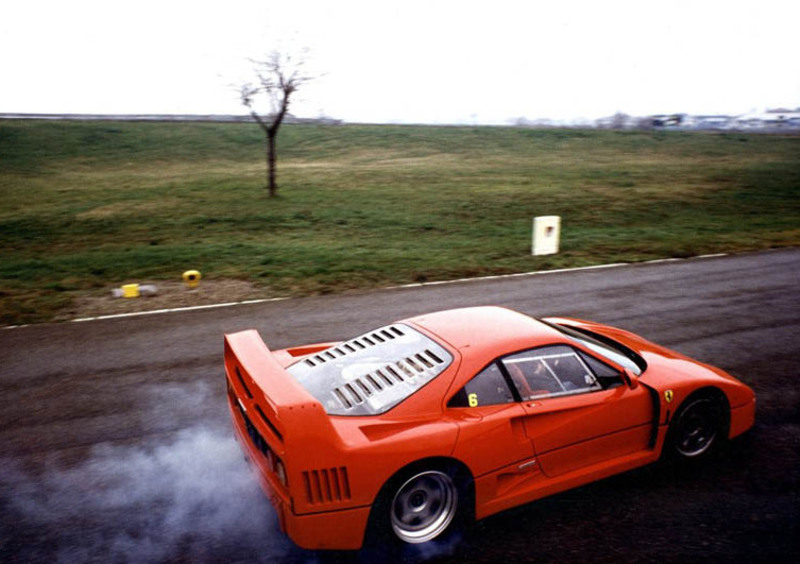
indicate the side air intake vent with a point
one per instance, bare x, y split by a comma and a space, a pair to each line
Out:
328, 485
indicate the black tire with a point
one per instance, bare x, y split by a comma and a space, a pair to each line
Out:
698, 427
424, 503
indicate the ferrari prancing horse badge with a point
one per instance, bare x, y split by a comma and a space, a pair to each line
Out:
668, 396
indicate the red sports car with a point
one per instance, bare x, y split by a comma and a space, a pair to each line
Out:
412, 429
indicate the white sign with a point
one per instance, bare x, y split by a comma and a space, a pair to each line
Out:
546, 233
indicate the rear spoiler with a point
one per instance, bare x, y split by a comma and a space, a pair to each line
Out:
263, 386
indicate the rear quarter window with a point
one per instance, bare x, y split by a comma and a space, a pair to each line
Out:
488, 387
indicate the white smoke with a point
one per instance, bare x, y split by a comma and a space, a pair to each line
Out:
185, 496
192, 498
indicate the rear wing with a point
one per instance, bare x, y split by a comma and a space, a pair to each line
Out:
275, 402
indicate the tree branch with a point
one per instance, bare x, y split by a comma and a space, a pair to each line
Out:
278, 78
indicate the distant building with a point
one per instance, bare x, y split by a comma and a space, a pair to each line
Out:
668, 120
782, 118
713, 122
770, 120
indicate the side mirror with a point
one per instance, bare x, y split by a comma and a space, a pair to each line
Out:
630, 378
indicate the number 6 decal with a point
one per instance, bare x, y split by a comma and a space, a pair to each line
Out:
473, 400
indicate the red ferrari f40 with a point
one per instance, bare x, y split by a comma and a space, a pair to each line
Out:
413, 429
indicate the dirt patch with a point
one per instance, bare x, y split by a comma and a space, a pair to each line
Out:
125, 208
169, 295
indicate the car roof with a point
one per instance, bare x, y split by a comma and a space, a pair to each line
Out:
487, 329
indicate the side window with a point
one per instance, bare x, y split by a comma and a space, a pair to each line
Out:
488, 387
607, 376
550, 371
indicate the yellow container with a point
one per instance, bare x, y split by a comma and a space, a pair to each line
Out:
130, 291
192, 278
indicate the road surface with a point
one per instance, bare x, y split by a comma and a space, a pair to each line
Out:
115, 443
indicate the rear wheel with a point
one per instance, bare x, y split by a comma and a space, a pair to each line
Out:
698, 426
427, 501
424, 506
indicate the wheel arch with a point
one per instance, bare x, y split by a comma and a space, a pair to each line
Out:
670, 451
710, 392
456, 469
459, 471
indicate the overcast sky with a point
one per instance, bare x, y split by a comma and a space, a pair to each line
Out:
404, 60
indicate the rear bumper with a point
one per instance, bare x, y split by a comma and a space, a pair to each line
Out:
332, 530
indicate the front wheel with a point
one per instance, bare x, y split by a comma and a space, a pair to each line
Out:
697, 427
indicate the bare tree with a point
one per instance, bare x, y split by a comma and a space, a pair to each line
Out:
278, 78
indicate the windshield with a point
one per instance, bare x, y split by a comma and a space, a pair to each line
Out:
372, 373
602, 345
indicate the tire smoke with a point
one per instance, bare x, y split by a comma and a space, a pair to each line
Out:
192, 498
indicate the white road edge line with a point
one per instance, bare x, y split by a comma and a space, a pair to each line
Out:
515, 275
713, 256
176, 309
414, 285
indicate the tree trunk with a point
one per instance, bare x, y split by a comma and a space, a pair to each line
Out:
272, 186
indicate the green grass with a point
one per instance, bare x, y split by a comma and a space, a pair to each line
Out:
87, 206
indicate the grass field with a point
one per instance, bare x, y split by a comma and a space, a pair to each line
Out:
87, 206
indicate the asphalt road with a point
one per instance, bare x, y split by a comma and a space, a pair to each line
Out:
115, 443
